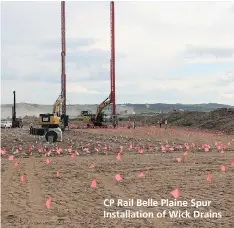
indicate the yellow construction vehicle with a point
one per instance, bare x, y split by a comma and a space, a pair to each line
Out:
52, 120
53, 124
86, 116
98, 119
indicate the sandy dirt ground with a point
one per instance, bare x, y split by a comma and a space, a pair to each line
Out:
156, 152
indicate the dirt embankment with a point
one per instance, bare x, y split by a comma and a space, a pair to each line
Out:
219, 119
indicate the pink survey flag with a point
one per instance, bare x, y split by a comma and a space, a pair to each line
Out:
176, 193
118, 156
179, 160
118, 177
11, 158
58, 174
141, 174
223, 168
91, 166
209, 177
48, 203
93, 184
22, 178
48, 161
16, 164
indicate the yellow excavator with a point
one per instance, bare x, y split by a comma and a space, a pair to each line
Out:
52, 124
98, 118
52, 120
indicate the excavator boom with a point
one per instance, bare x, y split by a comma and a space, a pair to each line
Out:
97, 121
57, 104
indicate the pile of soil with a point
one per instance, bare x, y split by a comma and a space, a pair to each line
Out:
220, 119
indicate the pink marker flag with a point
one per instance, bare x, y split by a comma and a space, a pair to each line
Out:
141, 174
11, 158
209, 177
141, 151
179, 160
48, 161
91, 166
93, 184
22, 178
3, 151
233, 162
176, 193
118, 156
58, 174
118, 177
185, 153
16, 164
223, 168
48, 203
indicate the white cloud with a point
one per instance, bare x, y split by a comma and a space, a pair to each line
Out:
154, 37
73, 88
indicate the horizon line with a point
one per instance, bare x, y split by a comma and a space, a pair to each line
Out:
125, 103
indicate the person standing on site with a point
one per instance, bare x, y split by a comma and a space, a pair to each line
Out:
165, 124
134, 124
160, 123
129, 124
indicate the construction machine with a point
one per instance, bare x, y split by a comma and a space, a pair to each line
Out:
52, 124
98, 118
16, 122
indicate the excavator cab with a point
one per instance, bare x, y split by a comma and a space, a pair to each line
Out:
87, 116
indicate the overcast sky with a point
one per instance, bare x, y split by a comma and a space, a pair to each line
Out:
181, 52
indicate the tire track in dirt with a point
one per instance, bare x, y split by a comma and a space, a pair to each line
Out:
36, 200
7, 177
5, 183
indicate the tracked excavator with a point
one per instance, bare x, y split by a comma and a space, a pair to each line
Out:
98, 118
52, 124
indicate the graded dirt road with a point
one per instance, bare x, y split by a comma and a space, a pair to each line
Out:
150, 150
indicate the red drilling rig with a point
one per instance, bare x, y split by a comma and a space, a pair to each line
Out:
112, 62
64, 116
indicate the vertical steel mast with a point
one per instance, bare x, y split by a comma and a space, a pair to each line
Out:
112, 17
63, 57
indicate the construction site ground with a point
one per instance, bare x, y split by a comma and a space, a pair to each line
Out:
68, 176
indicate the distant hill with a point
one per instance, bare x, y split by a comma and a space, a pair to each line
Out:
161, 107
23, 109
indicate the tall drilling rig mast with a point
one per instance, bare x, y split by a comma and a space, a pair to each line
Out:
63, 58
112, 67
